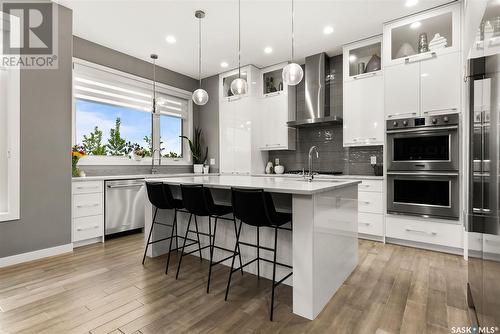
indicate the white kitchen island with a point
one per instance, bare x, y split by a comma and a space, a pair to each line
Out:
322, 248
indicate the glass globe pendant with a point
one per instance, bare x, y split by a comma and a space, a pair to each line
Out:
239, 86
292, 73
200, 96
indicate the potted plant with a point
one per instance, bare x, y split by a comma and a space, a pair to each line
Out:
138, 152
77, 153
195, 145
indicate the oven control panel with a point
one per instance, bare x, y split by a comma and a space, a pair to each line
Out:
429, 121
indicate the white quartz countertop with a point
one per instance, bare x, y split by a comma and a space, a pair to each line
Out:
133, 176
271, 184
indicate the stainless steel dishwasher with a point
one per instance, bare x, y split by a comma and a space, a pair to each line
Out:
124, 207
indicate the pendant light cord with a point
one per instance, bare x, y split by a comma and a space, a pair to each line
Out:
293, 33
154, 86
239, 38
199, 51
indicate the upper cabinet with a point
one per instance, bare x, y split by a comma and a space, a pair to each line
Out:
421, 57
422, 36
363, 92
277, 107
249, 73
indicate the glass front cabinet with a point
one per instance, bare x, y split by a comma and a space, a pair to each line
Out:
249, 73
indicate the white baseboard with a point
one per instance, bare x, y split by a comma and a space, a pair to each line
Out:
35, 255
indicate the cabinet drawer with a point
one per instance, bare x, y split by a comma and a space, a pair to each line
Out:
88, 227
87, 205
371, 223
371, 185
431, 232
370, 202
87, 187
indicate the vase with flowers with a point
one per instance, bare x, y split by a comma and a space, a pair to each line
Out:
77, 153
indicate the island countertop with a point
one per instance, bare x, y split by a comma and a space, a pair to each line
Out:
286, 185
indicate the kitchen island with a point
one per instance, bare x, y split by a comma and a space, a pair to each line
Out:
322, 248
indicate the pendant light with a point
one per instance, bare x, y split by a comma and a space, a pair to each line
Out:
200, 96
293, 72
239, 86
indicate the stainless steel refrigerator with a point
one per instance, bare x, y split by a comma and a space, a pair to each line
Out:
484, 200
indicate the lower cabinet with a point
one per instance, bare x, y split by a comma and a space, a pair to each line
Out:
87, 223
427, 231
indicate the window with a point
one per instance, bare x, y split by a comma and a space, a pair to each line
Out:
113, 117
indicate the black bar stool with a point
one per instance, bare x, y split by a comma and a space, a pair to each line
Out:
255, 207
199, 202
160, 196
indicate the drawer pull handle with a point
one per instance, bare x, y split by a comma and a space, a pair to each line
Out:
364, 202
364, 186
87, 205
420, 231
94, 187
87, 228
366, 224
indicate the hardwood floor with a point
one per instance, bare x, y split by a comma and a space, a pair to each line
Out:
105, 289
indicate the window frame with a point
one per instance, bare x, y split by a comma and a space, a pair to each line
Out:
187, 124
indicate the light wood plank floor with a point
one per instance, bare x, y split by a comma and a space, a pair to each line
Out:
105, 289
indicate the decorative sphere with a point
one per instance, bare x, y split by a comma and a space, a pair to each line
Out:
292, 74
200, 97
239, 86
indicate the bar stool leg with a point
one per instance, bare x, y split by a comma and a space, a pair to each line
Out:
149, 237
239, 252
258, 253
198, 236
183, 247
236, 247
274, 270
212, 246
174, 228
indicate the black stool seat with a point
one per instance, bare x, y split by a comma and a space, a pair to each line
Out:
221, 210
256, 208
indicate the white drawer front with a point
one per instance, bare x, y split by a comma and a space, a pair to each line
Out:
87, 187
430, 232
371, 185
370, 202
88, 227
87, 205
371, 223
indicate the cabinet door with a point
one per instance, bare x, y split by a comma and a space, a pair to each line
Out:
401, 90
352, 113
226, 137
242, 140
274, 130
440, 80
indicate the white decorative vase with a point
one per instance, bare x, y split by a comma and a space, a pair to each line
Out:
198, 168
206, 169
279, 169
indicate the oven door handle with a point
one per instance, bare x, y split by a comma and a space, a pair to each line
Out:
430, 129
422, 174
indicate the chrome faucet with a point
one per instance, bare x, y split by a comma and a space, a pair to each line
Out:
310, 175
154, 169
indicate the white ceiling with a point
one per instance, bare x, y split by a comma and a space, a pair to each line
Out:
139, 28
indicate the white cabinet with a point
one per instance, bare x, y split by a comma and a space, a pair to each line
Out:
363, 114
402, 90
426, 83
87, 223
10, 89
277, 107
238, 143
249, 73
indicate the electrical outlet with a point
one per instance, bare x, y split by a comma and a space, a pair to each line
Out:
212, 161
373, 160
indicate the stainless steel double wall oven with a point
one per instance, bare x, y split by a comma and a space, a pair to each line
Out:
423, 166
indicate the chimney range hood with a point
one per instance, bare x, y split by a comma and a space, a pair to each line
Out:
317, 95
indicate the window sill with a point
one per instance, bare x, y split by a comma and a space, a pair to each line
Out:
125, 161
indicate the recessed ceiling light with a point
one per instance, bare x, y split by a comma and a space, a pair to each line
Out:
268, 49
327, 30
224, 64
170, 39
411, 3
415, 25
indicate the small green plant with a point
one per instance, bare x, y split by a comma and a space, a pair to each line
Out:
195, 145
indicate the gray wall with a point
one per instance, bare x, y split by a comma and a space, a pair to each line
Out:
45, 155
98, 54
207, 117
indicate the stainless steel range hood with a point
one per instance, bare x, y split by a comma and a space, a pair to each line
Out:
317, 95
